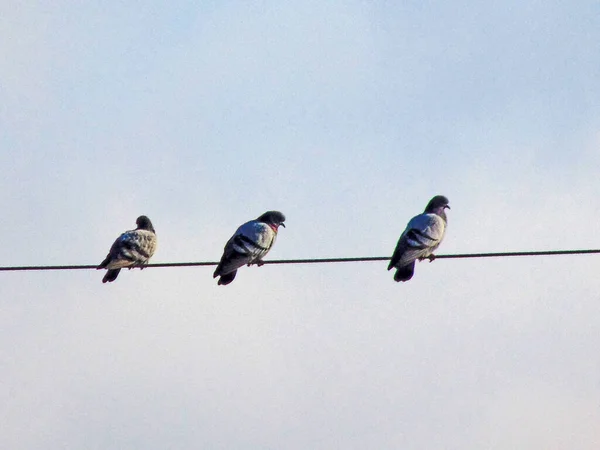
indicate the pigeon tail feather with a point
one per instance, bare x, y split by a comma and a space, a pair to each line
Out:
405, 273
111, 275
230, 262
227, 278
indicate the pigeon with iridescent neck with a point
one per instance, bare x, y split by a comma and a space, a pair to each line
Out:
250, 243
420, 239
134, 248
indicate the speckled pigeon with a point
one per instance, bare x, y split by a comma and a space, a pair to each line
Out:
422, 236
250, 243
134, 248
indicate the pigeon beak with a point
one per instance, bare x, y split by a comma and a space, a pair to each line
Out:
282, 224
447, 206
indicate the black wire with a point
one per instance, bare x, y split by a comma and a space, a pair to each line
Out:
318, 260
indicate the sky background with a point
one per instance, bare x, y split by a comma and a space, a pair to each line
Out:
347, 117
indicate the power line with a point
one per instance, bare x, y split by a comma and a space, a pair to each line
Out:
318, 260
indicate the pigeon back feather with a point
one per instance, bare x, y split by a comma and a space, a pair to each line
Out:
422, 236
133, 248
405, 273
250, 243
254, 239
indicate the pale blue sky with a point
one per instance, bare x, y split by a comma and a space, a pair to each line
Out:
348, 117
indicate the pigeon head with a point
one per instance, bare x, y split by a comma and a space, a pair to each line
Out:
274, 218
437, 205
143, 223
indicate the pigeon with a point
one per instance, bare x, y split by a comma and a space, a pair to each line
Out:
420, 239
250, 243
134, 248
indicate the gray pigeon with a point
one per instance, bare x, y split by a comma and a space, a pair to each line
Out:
422, 237
250, 243
134, 248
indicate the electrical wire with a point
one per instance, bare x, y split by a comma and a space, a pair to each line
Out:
318, 260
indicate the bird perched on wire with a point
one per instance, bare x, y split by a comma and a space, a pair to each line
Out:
420, 239
134, 248
250, 243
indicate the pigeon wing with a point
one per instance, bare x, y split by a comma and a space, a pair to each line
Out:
131, 249
422, 236
251, 242
254, 239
